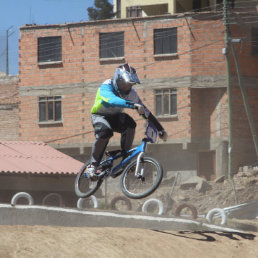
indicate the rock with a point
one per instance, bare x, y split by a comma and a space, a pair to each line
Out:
255, 172
195, 182
220, 179
181, 198
203, 186
186, 185
245, 168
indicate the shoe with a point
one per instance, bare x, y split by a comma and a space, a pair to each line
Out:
90, 170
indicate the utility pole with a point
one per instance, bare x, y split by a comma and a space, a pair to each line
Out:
245, 100
227, 49
7, 49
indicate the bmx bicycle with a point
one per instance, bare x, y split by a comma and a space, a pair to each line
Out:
141, 175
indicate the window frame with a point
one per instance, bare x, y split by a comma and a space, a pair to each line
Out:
111, 45
54, 51
47, 101
162, 40
170, 92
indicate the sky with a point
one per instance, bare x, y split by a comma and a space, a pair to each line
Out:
16, 13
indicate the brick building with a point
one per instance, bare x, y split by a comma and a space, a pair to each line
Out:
182, 70
9, 110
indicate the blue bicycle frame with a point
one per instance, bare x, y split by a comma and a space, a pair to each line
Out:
137, 151
151, 136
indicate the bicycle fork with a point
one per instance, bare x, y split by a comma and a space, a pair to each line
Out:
139, 171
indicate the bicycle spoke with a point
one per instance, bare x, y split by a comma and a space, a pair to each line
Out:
143, 184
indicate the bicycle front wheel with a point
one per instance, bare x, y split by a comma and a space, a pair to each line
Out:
136, 187
84, 186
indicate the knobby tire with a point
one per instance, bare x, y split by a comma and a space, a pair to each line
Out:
135, 188
85, 187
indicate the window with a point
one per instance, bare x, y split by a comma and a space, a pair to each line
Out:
111, 44
166, 102
255, 41
49, 49
50, 109
197, 5
165, 41
134, 11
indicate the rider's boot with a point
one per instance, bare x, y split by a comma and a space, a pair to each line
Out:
92, 172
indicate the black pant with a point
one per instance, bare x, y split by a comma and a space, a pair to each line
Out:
104, 126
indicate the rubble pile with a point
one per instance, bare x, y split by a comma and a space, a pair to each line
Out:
206, 195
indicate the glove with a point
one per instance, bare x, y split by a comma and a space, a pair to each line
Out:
163, 135
140, 109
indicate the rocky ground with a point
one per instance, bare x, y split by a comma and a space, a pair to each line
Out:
213, 194
204, 195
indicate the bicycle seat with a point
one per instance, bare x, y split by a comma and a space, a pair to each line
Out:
112, 153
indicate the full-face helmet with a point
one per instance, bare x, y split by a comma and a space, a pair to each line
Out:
124, 78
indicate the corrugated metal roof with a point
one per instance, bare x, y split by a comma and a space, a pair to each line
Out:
35, 157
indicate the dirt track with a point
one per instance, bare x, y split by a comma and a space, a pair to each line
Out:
42, 241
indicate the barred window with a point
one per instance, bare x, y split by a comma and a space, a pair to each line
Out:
49, 49
111, 44
255, 41
165, 41
50, 109
166, 102
134, 11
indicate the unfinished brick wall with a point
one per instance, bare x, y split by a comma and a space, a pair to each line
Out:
209, 113
207, 44
9, 113
80, 45
200, 43
81, 64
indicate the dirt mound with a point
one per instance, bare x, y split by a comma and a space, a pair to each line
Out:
42, 241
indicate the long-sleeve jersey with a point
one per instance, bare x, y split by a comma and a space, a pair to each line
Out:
108, 101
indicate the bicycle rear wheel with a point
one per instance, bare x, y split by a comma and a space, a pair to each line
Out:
139, 187
84, 186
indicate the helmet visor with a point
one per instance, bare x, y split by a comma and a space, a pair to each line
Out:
130, 77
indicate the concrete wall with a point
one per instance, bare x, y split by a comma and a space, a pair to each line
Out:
152, 4
39, 186
37, 215
175, 6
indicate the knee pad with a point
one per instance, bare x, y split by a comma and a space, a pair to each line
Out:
103, 131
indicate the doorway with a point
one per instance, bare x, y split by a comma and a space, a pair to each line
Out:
207, 165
